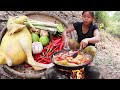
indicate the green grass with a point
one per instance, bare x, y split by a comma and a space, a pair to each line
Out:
114, 28
109, 23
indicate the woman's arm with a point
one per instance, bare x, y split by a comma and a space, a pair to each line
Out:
96, 37
67, 30
93, 40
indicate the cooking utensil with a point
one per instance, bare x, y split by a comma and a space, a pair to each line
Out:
76, 53
67, 48
70, 67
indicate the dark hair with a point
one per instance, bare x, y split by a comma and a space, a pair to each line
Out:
91, 12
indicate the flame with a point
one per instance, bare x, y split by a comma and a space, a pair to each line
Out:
75, 74
78, 74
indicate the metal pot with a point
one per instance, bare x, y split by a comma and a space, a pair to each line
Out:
71, 67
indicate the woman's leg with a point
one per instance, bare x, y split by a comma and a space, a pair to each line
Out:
91, 72
90, 50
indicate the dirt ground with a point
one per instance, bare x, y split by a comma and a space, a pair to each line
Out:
108, 54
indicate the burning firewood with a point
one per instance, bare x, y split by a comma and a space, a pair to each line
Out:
78, 74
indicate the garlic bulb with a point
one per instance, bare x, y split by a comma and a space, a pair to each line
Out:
37, 47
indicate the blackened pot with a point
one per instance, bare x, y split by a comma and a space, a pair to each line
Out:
70, 67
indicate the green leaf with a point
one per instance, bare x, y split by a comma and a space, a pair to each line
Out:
30, 23
60, 27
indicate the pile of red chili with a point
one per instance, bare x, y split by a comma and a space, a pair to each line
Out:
55, 45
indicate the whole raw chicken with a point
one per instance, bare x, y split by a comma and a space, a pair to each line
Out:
16, 45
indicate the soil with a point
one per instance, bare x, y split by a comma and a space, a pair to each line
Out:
108, 56
108, 49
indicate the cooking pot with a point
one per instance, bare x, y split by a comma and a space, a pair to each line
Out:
87, 55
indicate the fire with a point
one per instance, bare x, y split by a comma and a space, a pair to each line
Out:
74, 74
78, 74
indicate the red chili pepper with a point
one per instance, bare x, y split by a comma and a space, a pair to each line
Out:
51, 48
54, 37
57, 41
61, 46
52, 51
50, 54
37, 55
58, 44
46, 60
59, 59
38, 58
44, 50
40, 61
47, 46
56, 50
48, 49
49, 61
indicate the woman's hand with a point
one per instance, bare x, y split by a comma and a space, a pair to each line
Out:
65, 43
83, 43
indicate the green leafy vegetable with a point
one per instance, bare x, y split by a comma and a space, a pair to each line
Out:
49, 26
